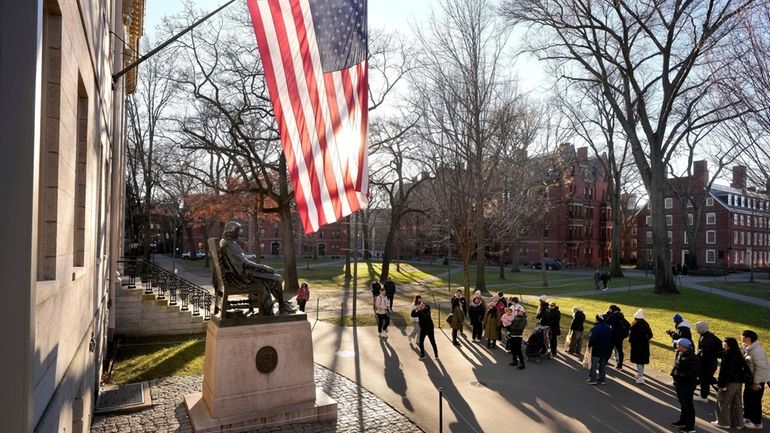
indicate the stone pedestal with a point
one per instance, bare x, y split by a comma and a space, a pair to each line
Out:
258, 373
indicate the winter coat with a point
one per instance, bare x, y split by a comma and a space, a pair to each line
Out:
381, 304
491, 324
390, 288
682, 331
730, 368
709, 347
578, 321
376, 287
639, 338
618, 323
506, 320
476, 313
424, 319
458, 317
757, 358
551, 319
517, 326
686, 368
303, 293
600, 340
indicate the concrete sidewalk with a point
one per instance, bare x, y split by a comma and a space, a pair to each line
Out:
484, 394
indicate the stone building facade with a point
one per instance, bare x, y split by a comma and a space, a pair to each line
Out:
733, 228
62, 162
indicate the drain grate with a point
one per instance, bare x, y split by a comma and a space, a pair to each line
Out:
123, 397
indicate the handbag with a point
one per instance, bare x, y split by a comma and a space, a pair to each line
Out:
587, 359
449, 318
568, 341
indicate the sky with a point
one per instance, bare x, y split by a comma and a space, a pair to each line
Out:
390, 15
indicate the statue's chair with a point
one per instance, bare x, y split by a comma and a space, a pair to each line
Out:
226, 283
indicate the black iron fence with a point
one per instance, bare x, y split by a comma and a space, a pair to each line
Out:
168, 286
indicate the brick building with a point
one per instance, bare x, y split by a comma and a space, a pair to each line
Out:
734, 226
62, 158
577, 226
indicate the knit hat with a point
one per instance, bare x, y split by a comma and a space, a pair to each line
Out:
678, 318
683, 342
519, 308
477, 294
701, 327
543, 298
639, 314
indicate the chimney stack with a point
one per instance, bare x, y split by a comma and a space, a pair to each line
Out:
739, 177
701, 172
582, 154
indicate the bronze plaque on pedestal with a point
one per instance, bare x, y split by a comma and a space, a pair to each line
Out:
267, 359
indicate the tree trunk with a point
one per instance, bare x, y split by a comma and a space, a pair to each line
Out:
481, 256
255, 232
205, 230
467, 275
501, 261
664, 279
543, 269
364, 221
287, 233
617, 223
387, 253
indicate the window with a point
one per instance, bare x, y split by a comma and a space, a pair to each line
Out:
711, 218
81, 158
735, 219
633, 230
668, 203
669, 220
670, 235
742, 220
730, 199
648, 220
710, 201
711, 236
735, 240
690, 219
711, 256
685, 238
743, 238
633, 243
649, 237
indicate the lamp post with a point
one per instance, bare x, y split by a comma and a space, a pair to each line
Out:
177, 213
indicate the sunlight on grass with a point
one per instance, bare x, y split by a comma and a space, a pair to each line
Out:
139, 359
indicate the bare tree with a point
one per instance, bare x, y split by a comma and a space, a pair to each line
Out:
653, 62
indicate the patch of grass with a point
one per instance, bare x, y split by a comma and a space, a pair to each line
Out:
726, 318
146, 358
759, 290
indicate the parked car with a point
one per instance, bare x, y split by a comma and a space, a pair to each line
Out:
550, 264
191, 255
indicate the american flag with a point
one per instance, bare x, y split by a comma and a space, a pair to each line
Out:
314, 57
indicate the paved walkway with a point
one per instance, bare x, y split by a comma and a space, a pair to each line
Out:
358, 410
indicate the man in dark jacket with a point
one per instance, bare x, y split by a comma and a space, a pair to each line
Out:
709, 347
600, 345
390, 291
685, 374
576, 329
620, 327
551, 318
376, 286
515, 333
422, 313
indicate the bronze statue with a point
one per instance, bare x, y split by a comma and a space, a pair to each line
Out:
246, 275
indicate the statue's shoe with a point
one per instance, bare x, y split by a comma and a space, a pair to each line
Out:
287, 308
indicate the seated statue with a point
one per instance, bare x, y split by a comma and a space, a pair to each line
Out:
245, 274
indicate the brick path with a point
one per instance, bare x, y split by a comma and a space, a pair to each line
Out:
358, 410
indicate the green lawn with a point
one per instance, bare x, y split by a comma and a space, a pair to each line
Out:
146, 358
759, 290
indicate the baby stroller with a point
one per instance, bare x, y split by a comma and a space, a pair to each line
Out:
538, 343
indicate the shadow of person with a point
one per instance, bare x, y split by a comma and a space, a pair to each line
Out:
394, 376
454, 400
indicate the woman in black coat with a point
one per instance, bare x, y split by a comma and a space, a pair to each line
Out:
732, 372
639, 337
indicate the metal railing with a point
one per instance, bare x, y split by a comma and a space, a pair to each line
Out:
168, 286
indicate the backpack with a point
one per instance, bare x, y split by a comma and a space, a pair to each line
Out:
625, 328
746, 376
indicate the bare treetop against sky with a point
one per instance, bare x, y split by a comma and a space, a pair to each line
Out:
391, 15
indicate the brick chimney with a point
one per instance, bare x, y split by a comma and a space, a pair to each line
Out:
701, 172
739, 177
582, 153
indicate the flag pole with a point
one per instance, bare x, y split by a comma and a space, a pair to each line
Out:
141, 59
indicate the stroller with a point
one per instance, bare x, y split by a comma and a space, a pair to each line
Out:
538, 343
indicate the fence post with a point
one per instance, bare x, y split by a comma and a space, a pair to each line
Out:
317, 307
440, 410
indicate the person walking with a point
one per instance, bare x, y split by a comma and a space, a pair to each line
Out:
639, 337
382, 310
732, 372
709, 347
303, 294
685, 374
375, 287
605, 277
756, 357
600, 347
415, 320
492, 324
458, 317
552, 318
476, 315
575, 336
620, 329
390, 291
423, 315
597, 279
515, 335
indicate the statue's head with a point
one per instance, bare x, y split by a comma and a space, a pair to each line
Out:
232, 230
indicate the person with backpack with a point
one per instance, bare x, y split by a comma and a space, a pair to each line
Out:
685, 374
639, 337
709, 347
733, 373
620, 330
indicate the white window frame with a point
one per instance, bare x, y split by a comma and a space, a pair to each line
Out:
668, 203
710, 202
712, 254
686, 241
711, 218
690, 219
713, 235
648, 220
669, 220
670, 235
